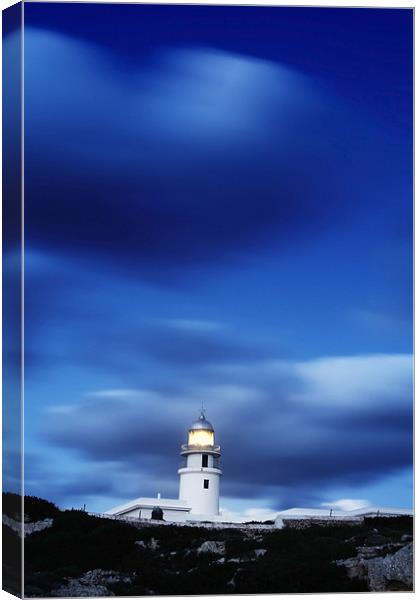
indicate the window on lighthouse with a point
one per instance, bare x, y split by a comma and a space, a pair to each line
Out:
200, 437
206, 484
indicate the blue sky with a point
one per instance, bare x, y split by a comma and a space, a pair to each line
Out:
218, 208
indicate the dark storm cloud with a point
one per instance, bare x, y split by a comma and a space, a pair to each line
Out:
117, 341
124, 436
12, 468
196, 155
293, 442
193, 343
66, 488
175, 344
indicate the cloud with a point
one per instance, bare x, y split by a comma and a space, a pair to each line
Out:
171, 162
121, 393
346, 380
66, 484
249, 514
380, 321
194, 325
275, 443
86, 330
193, 343
12, 467
346, 504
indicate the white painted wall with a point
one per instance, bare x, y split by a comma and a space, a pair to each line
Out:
146, 513
203, 501
195, 460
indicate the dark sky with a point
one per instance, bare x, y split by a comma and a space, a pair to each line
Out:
218, 208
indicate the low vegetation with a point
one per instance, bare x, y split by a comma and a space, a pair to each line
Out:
165, 559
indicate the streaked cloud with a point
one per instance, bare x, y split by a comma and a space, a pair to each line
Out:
298, 443
370, 380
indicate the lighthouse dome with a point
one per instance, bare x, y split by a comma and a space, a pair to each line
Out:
201, 432
201, 424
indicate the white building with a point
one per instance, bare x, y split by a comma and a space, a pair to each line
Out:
199, 482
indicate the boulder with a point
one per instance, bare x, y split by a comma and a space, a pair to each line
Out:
393, 572
151, 544
211, 547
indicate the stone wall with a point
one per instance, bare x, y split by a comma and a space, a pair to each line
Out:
329, 522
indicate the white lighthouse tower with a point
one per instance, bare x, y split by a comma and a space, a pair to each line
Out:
199, 475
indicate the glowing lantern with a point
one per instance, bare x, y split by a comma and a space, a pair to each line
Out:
201, 433
201, 437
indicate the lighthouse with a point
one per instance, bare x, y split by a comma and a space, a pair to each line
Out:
199, 483
199, 474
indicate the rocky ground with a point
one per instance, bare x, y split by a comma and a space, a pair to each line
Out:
384, 567
74, 554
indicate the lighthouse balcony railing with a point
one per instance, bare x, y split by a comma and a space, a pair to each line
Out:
216, 464
198, 448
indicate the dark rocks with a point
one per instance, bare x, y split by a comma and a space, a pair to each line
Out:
392, 572
375, 539
92, 584
151, 544
29, 527
232, 582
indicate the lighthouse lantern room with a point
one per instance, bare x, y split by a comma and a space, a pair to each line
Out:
199, 474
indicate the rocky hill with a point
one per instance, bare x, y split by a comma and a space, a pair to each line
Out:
70, 553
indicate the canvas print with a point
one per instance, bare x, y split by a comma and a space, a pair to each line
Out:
207, 275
